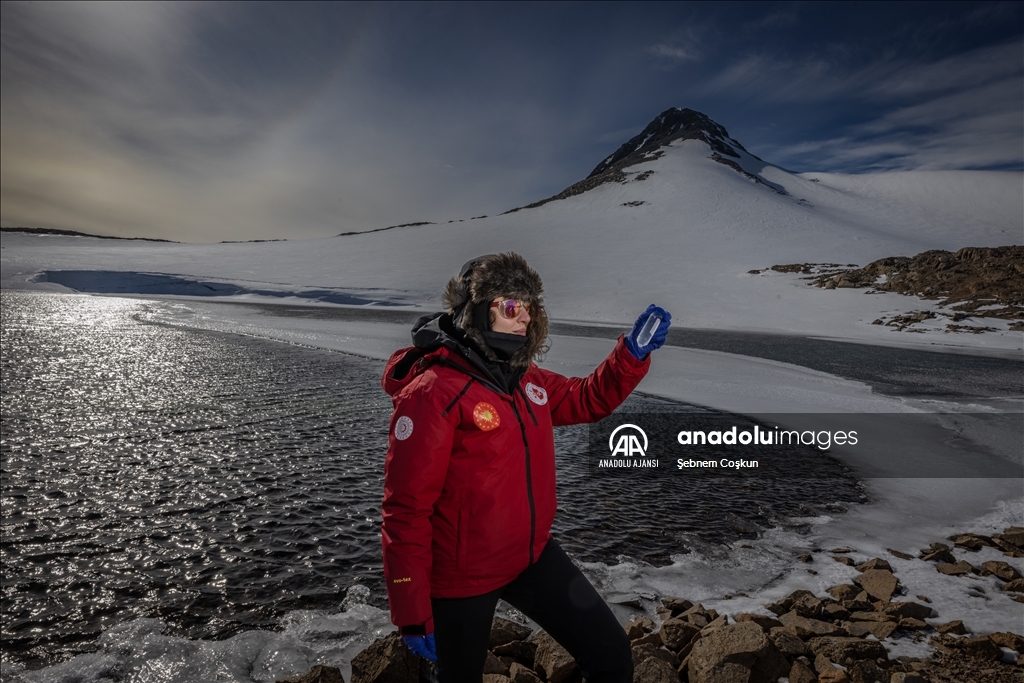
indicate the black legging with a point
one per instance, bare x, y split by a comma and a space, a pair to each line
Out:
555, 594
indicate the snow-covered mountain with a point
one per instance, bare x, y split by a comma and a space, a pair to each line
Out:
679, 214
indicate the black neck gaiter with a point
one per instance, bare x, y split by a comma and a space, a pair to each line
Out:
504, 345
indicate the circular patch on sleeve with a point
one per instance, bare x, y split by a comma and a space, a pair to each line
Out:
485, 416
403, 428
536, 394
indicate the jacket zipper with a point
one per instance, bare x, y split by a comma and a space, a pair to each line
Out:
529, 479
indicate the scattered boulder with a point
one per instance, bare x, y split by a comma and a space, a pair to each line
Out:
846, 651
676, 605
788, 643
961, 568
878, 583
675, 633
552, 659
876, 563
808, 628
505, 631
386, 660
972, 542
638, 626
801, 673
520, 673
655, 670
765, 622
1008, 639
908, 610
1003, 570
740, 652
978, 648
1017, 585
897, 553
954, 627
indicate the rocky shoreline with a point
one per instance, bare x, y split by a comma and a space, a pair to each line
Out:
838, 637
974, 282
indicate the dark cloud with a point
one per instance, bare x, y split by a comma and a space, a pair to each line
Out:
209, 121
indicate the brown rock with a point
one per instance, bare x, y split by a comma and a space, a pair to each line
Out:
912, 624
842, 549
873, 616
897, 553
520, 673
1013, 535
801, 673
1017, 586
805, 558
876, 563
675, 633
938, 555
961, 568
740, 652
979, 648
954, 627
552, 659
638, 626
493, 665
649, 639
505, 631
865, 671
386, 660
833, 676
808, 628
676, 605
1003, 570
908, 609
857, 629
717, 623
833, 611
496, 678
318, 674
765, 622
843, 559
519, 650
807, 606
878, 583
907, 677
844, 591
846, 651
789, 644
644, 652
1008, 639
879, 629
973, 542
923, 598
655, 670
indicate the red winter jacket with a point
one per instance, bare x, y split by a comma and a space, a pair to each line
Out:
469, 480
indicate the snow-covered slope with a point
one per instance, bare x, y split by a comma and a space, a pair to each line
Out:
682, 229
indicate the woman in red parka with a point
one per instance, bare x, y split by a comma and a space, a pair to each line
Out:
469, 480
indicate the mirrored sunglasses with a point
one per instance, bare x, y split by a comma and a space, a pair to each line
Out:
510, 308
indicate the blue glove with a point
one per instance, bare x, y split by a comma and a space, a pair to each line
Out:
660, 334
422, 645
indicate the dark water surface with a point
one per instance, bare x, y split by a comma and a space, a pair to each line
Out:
218, 481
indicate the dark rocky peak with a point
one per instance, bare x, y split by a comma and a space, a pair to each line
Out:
670, 125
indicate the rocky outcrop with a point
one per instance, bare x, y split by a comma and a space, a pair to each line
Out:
836, 637
976, 282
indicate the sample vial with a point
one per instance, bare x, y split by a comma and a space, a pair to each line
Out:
647, 331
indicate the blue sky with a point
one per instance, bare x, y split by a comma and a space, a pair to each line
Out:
208, 122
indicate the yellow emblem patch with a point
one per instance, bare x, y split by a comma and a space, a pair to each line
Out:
485, 416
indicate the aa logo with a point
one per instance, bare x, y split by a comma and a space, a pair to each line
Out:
628, 441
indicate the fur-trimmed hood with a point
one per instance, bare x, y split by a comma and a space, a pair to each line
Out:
498, 275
